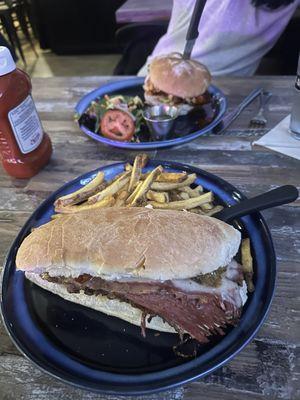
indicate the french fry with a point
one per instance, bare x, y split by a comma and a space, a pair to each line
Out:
192, 192
207, 206
116, 177
55, 216
121, 197
137, 188
165, 186
209, 213
128, 167
171, 177
120, 202
145, 159
198, 189
106, 202
213, 211
83, 193
247, 264
160, 197
139, 162
197, 210
123, 189
111, 189
142, 189
184, 204
183, 195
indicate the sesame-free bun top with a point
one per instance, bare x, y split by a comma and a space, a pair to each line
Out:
136, 243
174, 75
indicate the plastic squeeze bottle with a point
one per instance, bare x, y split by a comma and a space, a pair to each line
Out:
24, 147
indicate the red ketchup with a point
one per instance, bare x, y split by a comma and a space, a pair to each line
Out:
24, 147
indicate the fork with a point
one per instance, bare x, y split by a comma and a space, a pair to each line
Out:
259, 121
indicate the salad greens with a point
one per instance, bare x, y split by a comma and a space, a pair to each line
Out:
133, 105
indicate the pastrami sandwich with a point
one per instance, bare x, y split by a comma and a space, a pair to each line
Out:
176, 81
171, 271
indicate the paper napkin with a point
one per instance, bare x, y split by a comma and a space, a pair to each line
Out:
281, 140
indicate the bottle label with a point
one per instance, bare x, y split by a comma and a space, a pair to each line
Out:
26, 125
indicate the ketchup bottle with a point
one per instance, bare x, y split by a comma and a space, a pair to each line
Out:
24, 147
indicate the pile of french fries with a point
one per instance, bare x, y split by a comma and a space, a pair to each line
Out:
155, 189
133, 188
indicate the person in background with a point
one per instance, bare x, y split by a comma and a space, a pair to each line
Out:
233, 35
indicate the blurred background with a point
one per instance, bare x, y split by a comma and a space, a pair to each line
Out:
92, 37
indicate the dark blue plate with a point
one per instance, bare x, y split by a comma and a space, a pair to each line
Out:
186, 128
101, 353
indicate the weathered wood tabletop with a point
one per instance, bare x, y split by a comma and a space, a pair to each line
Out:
266, 368
144, 11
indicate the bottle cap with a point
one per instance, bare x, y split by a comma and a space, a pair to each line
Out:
7, 63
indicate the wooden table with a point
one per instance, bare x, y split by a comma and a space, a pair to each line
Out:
144, 11
266, 368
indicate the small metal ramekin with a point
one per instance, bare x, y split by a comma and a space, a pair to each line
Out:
159, 129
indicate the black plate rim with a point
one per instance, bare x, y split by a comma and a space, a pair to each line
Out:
189, 376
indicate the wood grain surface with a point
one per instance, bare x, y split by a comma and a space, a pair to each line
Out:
144, 11
267, 368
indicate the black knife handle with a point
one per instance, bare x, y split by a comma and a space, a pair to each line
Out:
193, 32
277, 197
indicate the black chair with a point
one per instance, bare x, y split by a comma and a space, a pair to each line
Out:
137, 41
13, 18
20, 11
30, 17
8, 28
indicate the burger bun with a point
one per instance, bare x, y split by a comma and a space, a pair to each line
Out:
179, 77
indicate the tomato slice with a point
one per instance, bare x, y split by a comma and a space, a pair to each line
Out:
117, 125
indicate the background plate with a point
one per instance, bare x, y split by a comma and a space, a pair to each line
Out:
93, 351
186, 128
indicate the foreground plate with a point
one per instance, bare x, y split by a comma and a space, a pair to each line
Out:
93, 351
186, 128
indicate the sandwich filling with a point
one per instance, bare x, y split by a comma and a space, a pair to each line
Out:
200, 307
151, 90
